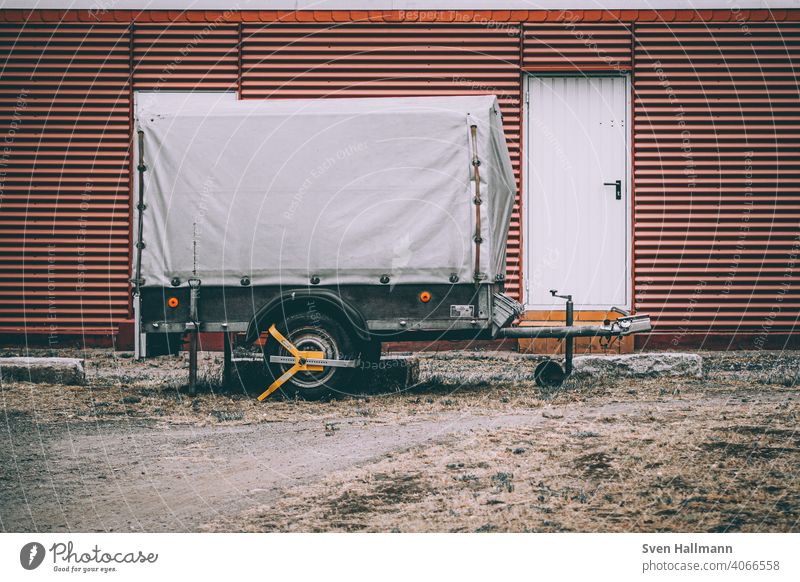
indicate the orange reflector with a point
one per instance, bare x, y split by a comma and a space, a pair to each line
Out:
172, 302
424, 296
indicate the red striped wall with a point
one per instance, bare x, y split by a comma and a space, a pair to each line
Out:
717, 171
185, 57
730, 75
575, 47
64, 211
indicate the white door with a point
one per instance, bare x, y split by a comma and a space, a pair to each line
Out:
576, 217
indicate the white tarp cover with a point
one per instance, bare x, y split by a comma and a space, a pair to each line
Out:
344, 189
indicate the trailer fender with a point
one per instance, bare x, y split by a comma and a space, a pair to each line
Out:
328, 301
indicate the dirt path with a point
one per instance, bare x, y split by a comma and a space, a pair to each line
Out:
115, 477
138, 476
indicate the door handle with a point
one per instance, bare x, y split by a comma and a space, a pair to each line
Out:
617, 187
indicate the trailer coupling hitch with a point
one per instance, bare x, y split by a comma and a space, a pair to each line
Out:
302, 361
550, 373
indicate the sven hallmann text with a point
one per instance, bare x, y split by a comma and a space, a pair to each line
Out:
692, 548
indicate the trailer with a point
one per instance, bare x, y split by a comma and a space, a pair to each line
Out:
322, 228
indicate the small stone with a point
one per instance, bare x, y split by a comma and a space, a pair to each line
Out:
643, 365
554, 415
226, 415
68, 371
585, 434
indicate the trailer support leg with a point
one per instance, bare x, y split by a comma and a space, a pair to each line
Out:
193, 362
227, 361
569, 341
194, 299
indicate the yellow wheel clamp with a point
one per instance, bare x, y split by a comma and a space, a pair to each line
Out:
305, 361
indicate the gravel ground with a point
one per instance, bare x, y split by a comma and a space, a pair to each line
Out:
473, 446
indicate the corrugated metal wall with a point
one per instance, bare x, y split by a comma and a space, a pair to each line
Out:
715, 232
717, 174
64, 205
576, 47
370, 60
185, 57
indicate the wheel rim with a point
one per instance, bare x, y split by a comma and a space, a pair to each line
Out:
312, 339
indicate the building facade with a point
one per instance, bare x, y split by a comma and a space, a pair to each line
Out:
657, 152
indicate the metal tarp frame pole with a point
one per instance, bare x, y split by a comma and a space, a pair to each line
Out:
140, 348
476, 162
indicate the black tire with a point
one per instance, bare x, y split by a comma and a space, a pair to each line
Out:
370, 360
549, 374
163, 344
318, 332
371, 352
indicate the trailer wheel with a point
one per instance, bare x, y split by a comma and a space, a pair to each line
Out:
317, 332
549, 374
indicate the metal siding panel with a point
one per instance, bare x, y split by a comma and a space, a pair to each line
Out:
64, 211
717, 174
185, 56
367, 60
573, 47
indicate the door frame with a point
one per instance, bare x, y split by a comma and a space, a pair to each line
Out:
527, 77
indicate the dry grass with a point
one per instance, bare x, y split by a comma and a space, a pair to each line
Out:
713, 454
120, 388
701, 466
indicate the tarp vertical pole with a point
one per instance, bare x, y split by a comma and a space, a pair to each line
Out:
139, 349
